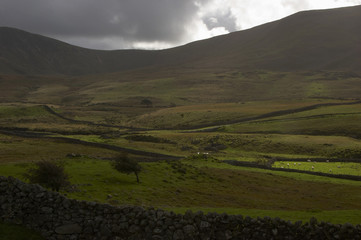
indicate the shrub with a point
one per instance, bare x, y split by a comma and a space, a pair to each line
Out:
49, 174
146, 102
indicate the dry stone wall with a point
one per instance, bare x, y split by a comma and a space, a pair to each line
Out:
57, 217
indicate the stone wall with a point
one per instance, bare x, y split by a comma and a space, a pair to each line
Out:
57, 217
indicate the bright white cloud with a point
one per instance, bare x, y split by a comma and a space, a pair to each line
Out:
250, 13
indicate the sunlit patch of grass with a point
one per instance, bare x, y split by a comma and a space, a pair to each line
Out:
297, 176
325, 167
20, 111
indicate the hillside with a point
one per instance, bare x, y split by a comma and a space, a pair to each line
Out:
26, 53
311, 40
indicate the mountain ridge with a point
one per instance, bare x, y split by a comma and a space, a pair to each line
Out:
308, 40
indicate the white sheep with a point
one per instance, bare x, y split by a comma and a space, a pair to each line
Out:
313, 168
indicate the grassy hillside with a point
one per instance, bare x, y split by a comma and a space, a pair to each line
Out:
168, 88
332, 120
27, 53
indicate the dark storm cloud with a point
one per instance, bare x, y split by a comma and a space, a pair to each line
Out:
221, 19
127, 20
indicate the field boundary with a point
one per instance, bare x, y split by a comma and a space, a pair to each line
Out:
57, 217
255, 165
270, 114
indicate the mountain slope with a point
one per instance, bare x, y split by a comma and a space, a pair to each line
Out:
311, 40
23, 52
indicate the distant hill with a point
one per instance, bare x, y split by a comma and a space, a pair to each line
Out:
310, 40
26, 53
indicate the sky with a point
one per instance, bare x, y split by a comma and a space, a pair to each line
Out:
147, 24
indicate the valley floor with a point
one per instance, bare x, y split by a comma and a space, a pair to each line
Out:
186, 168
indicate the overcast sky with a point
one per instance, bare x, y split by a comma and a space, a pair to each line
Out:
147, 24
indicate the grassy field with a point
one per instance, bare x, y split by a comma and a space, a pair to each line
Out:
206, 184
239, 146
333, 120
19, 149
195, 182
212, 114
326, 167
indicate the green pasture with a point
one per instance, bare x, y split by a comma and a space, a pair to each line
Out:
196, 182
243, 147
18, 149
215, 163
325, 110
287, 145
212, 114
342, 120
325, 167
18, 111
204, 183
13, 115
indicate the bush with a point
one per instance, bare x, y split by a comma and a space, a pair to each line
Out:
49, 174
146, 102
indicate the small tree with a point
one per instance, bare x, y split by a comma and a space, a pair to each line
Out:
49, 174
126, 165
